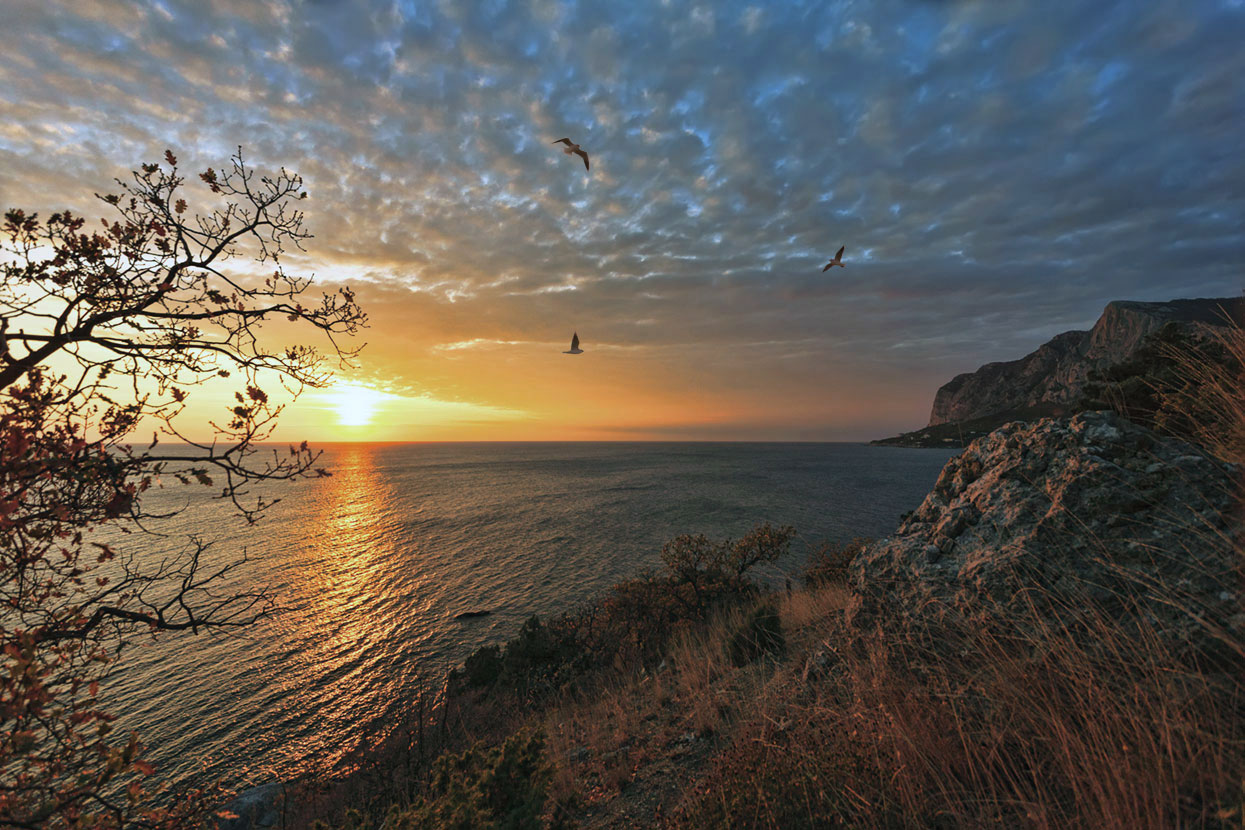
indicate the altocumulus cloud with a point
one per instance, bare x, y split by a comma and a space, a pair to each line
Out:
998, 170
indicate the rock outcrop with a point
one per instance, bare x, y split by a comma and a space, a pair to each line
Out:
1054, 375
1091, 511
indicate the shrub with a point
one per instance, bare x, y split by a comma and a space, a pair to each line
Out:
830, 564
763, 544
759, 634
635, 620
503, 787
701, 572
484, 666
541, 650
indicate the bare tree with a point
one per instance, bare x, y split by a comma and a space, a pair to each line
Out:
104, 330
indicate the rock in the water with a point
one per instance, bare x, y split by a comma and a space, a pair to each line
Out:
1067, 513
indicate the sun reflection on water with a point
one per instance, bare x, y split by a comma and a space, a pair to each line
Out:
342, 621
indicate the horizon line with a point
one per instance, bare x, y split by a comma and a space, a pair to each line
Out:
313, 444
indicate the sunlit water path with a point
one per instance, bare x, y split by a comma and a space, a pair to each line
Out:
373, 563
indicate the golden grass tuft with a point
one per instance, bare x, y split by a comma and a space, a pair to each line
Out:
1213, 395
1038, 730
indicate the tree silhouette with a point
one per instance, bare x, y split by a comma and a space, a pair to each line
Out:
104, 330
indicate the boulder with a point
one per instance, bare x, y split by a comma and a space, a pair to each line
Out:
1064, 516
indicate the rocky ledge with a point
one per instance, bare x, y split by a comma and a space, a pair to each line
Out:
1064, 515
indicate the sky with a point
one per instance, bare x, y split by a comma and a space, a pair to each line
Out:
998, 172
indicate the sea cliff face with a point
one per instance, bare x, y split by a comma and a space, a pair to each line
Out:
1056, 372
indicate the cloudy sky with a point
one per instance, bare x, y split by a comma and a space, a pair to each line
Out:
998, 171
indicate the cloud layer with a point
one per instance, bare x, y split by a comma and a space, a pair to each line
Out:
998, 171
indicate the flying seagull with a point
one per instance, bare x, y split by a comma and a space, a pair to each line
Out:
575, 345
572, 147
838, 260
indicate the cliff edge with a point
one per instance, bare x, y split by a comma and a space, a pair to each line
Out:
1054, 375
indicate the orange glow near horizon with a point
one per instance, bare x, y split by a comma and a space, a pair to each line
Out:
531, 392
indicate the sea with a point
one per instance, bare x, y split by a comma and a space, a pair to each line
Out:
371, 566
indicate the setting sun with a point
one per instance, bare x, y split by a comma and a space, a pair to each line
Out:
356, 405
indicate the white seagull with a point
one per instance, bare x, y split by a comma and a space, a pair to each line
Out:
572, 147
838, 260
574, 345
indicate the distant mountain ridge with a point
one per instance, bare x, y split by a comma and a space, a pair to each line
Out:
1055, 373
1050, 381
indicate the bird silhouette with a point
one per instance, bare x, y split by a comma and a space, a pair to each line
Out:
572, 147
838, 260
574, 345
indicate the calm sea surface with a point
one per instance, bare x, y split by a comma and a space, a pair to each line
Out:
373, 563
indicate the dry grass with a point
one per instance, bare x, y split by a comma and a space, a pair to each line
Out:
1213, 397
633, 747
979, 728
1005, 722
817, 608
1056, 737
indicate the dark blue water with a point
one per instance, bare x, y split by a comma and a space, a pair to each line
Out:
373, 563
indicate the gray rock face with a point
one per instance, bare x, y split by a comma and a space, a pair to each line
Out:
1070, 512
1056, 372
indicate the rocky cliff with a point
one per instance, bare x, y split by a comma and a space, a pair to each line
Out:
1055, 374
1091, 511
